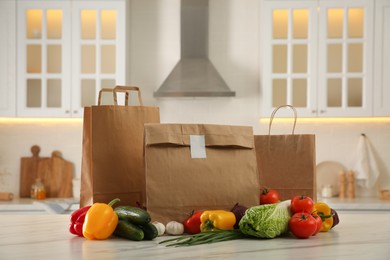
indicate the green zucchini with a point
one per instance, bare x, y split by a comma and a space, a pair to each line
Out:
150, 231
133, 214
129, 231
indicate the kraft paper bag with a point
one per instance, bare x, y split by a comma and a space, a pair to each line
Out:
113, 151
287, 163
198, 167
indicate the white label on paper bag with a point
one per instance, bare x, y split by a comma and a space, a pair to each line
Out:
198, 146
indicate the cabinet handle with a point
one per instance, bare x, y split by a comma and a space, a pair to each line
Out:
322, 111
75, 111
67, 111
314, 111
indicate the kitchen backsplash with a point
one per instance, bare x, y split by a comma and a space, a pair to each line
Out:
336, 140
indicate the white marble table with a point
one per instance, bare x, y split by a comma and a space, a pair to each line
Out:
360, 235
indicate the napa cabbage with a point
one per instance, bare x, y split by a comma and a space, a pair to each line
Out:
266, 221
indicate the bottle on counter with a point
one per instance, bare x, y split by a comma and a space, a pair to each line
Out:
351, 185
38, 190
342, 184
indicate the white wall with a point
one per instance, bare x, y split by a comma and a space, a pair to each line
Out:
153, 50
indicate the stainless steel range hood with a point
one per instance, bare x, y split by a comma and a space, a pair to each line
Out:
194, 75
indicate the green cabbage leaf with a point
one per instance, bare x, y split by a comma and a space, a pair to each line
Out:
266, 221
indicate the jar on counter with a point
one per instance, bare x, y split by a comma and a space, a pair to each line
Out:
327, 191
38, 190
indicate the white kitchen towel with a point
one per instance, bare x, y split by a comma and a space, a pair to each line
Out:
366, 167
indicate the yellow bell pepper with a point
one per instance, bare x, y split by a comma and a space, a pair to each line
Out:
100, 221
212, 220
324, 211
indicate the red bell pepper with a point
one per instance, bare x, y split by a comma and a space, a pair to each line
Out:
192, 223
77, 220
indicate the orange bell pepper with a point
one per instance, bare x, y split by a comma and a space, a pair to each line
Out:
100, 221
324, 211
213, 220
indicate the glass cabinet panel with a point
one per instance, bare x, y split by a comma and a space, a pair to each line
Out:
88, 59
34, 58
108, 59
299, 95
335, 23
107, 98
54, 24
334, 92
335, 57
34, 23
299, 58
355, 57
108, 24
279, 92
54, 54
280, 24
355, 94
34, 93
88, 92
88, 24
279, 59
356, 23
300, 23
54, 93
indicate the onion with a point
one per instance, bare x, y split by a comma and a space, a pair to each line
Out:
239, 211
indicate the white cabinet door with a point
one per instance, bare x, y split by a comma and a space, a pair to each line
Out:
345, 58
44, 78
68, 51
7, 58
317, 57
98, 48
289, 73
382, 58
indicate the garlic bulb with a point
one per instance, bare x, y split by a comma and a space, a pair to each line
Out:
174, 228
160, 227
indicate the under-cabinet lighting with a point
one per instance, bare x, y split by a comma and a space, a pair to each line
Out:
331, 120
17, 120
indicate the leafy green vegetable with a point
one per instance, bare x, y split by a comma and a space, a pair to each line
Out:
266, 221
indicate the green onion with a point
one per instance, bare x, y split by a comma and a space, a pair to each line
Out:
205, 238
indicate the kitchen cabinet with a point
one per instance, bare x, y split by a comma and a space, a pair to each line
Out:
67, 51
7, 58
317, 56
382, 58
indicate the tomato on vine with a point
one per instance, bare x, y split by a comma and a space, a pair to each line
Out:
269, 196
302, 225
318, 221
301, 203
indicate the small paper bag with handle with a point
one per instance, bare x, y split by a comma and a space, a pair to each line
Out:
287, 163
198, 167
113, 150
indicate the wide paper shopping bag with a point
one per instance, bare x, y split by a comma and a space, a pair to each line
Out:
198, 167
287, 162
113, 151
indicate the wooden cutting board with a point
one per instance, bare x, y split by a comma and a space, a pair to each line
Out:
55, 173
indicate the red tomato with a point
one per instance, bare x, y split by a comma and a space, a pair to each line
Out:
318, 221
269, 197
192, 223
302, 225
301, 203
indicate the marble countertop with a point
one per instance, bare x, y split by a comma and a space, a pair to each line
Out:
38, 207
357, 204
360, 235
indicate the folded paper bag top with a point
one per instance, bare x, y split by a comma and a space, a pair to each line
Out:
178, 182
215, 135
